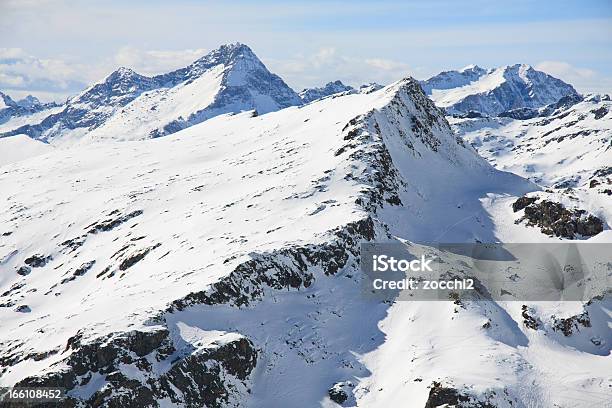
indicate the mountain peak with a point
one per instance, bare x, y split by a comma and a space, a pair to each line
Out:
517, 68
123, 73
5, 101
226, 54
229, 79
311, 94
472, 68
496, 91
29, 102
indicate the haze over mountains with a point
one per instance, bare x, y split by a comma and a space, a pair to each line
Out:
193, 239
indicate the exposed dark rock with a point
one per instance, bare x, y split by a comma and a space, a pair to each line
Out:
604, 171
562, 104
593, 183
337, 394
111, 223
74, 243
14, 288
444, 396
23, 309
523, 202
600, 112
38, 261
136, 257
571, 324
312, 94
288, 268
80, 271
24, 270
202, 377
569, 182
554, 219
84, 268
472, 114
520, 113
529, 319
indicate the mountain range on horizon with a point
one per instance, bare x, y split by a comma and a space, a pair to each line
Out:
232, 79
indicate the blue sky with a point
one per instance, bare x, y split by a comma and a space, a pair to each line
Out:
54, 48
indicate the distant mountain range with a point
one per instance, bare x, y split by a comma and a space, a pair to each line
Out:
335, 88
495, 91
312, 94
231, 79
228, 79
29, 105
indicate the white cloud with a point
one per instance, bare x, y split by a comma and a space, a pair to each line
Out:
154, 62
583, 79
11, 79
387, 65
11, 53
57, 78
21, 72
327, 64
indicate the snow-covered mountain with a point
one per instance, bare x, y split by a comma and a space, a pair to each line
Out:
25, 107
495, 91
527, 122
311, 94
227, 80
566, 148
336, 88
453, 79
219, 266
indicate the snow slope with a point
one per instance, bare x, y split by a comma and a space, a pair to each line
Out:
495, 91
228, 79
20, 147
227, 254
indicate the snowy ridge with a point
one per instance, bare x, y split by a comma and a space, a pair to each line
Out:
496, 91
230, 79
335, 89
311, 94
20, 147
